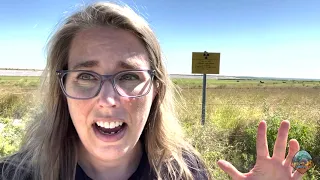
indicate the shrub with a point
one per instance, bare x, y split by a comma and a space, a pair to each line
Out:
14, 105
10, 136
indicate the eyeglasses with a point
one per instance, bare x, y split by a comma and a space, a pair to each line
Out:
82, 84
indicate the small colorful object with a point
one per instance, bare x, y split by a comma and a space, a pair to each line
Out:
302, 161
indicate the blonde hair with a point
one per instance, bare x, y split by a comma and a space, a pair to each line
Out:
49, 147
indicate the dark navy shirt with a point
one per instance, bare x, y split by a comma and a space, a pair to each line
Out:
143, 171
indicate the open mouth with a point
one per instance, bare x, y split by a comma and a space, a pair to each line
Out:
110, 128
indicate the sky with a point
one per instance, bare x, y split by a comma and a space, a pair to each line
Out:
263, 38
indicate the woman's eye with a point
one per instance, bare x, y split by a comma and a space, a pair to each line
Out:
86, 76
129, 77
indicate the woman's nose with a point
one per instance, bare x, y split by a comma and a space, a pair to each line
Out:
108, 97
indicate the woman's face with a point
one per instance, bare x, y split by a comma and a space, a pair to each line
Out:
108, 125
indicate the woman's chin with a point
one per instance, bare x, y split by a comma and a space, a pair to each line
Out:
112, 153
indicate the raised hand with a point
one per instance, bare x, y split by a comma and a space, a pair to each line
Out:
277, 167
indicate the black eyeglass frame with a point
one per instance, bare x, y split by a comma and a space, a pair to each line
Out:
103, 78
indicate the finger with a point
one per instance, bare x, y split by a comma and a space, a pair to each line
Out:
230, 170
262, 142
293, 149
297, 175
279, 150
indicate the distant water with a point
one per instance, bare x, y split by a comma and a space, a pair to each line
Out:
38, 73
31, 72
20, 72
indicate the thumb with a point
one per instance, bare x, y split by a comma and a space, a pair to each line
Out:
230, 170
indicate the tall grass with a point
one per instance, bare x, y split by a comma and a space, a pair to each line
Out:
233, 112
232, 116
18, 98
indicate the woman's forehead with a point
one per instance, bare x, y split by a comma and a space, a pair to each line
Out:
116, 47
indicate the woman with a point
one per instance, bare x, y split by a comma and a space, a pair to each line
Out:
109, 112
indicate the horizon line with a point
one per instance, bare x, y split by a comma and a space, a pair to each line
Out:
197, 74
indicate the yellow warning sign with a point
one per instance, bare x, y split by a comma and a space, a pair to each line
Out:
205, 63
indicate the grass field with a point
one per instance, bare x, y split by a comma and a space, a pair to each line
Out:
234, 108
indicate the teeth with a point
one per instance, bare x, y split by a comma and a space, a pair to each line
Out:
112, 125
106, 125
109, 125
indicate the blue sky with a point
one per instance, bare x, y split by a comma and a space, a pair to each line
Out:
276, 38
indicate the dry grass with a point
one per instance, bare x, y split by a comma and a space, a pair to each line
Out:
232, 114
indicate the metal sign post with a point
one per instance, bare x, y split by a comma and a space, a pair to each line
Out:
204, 89
205, 63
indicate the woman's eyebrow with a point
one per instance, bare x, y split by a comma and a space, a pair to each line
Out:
86, 64
129, 65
